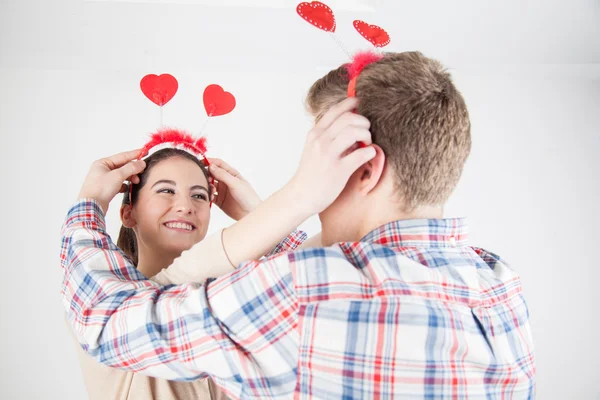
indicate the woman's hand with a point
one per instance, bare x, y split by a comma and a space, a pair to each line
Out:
106, 176
332, 153
335, 148
236, 197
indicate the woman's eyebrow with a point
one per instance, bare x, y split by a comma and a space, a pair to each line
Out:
165, 181
199, 187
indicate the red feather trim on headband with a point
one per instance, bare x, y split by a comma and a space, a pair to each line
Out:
360, 61
178, 138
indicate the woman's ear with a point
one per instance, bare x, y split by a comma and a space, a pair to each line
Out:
127, 217
213, 191
371, 171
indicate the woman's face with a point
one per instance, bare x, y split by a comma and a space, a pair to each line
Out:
172, 210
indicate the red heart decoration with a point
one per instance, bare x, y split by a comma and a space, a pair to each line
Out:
217, 101
159, 89
373, 33
317, 14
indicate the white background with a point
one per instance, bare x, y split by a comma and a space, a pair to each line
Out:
530, 73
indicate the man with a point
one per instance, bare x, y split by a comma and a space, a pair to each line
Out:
397, 304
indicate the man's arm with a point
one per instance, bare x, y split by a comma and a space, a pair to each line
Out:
225, 328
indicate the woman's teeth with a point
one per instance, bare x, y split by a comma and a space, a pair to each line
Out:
179, 225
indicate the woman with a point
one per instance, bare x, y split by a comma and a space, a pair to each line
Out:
164, 214
325, 156
168, 212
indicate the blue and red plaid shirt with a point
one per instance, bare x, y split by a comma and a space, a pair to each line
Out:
409, 311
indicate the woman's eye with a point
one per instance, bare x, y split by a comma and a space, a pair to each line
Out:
169, 191
200, 196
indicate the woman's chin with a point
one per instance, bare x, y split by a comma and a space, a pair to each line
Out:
178, 247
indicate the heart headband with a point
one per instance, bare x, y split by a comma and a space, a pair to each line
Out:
160, 89
322, 17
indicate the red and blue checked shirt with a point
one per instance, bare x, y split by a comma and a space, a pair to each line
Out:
410, 311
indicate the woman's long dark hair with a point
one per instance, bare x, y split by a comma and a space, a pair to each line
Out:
127, 240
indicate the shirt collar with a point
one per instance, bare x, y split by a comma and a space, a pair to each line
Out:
447, 232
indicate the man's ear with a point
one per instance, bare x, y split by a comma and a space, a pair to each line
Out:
127, 217
371, 172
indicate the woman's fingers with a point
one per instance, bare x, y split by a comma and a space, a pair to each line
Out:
357, 158
336, 112
347, 139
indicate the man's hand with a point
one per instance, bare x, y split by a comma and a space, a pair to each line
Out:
236, 197
106, 176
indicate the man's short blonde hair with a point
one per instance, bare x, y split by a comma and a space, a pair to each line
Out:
418, 118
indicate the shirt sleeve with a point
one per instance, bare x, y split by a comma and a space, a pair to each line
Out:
290, 243
207, 259
240, 327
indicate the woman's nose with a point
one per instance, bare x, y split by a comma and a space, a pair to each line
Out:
184, 205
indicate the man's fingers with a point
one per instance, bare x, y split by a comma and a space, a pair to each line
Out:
336, 111
223, 165
222, 175
121, 159
215, 161
128, 170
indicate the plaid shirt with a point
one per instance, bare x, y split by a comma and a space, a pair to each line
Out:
290, 243
411, 310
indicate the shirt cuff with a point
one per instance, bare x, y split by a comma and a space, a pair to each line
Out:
87, 212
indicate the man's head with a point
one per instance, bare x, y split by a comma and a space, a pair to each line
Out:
421, 128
